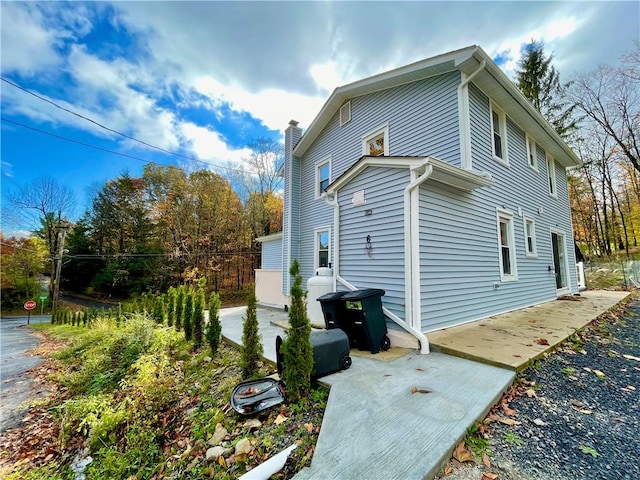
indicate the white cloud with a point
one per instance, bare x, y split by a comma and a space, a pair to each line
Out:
27, 47
209, 146
275, 107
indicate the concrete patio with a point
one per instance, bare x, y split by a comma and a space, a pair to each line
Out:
376, 427
512, 340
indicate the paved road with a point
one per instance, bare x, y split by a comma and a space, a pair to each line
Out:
15, 384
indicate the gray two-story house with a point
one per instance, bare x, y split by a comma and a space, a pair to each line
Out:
437, 182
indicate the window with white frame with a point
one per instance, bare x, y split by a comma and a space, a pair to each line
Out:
376, 143
322, 243
506, 243
499, 134
530, 237
551, 174
532, 156
323, 176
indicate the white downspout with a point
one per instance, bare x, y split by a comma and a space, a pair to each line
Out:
412, 259
464, 124
335, 235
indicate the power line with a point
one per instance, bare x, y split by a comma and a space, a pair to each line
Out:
88, 145
114, 131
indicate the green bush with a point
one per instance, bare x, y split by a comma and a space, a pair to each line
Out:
179, 307
170, 305
198, 317
214, 327
187, 319
251, 342
297, 353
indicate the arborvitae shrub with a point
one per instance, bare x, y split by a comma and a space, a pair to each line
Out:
214, 327
158, 311
297, 352
179, 307
198, 317
187, 321
170, 305
251, 344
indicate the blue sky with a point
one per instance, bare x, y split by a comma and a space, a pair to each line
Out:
202, 79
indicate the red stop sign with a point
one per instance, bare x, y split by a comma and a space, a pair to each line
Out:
30, 305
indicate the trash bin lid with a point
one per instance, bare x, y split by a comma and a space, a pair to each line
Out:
364, 293
253, 396
331, 296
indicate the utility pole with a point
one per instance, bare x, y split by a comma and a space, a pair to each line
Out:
62, 230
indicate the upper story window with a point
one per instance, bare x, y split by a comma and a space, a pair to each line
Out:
506, 243
323, 176
499, 134
530, 237
532, 156
551, 174
376, 143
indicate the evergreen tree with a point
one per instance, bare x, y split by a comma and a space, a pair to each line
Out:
187, 320
214, 328
158, 310
539, 82
251, 342
179, 308
170, 305
297, 352
198, 317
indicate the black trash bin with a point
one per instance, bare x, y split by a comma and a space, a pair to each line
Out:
336, 315
330, 352
364, 309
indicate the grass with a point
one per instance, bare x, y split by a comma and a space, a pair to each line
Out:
145, 405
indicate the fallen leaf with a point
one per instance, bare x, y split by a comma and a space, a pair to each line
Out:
530, 393
510, 412
419, 390
488, 476
420, 369
518, 356
631, 357
486, 461
308, 427
222, 462
542, 341
280, 419
585, 411
461, 453
509, 421
448, 470
599, 373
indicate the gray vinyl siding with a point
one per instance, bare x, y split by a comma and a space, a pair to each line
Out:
458, 231
272, 254
384, 268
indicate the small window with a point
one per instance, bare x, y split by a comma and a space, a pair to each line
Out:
530, 237
345, 113
551, 174
506, 243
322, 248
499, 129
376, 143
323, 176
532, 156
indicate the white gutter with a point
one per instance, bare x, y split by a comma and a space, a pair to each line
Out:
464, 123
412, 257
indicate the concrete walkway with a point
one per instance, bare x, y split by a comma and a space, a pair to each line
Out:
512, 339
374, 426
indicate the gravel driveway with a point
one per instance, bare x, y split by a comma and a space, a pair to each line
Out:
581, 416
